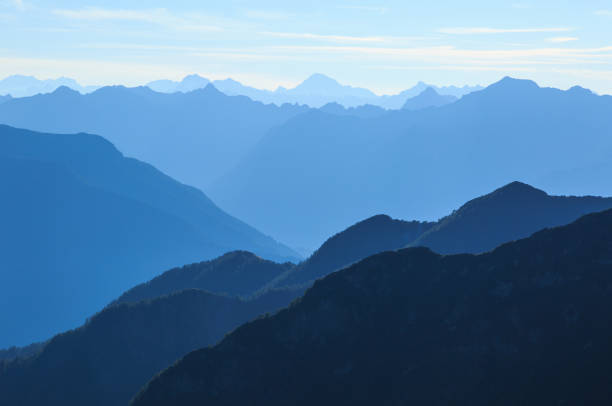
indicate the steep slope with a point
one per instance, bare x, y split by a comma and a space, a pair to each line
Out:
368, 237
416, 164
117, 351
82, 223
525, 324
193, 137
509, 213
428, 98
237, 273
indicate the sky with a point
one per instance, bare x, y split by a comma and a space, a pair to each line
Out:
384, 46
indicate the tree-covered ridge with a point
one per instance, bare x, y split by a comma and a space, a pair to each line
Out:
237, 273
118, 350
509, 213
524, 324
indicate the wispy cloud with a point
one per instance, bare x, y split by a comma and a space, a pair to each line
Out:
370, 9
562, 39
333, 38
488, 30
158, 16
341, 38
604, 13
268, 14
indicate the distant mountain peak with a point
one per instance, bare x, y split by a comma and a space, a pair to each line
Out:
430, 91
517, 188
579, 90
428, 98
65, 91
318, 81
512, 83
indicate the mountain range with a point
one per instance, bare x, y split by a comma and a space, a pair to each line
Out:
316, 91
193, 137
24, 86
149, 326
524, 324
326, 171
99, 223
118, 350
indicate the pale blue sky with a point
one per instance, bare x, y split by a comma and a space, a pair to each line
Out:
386, 46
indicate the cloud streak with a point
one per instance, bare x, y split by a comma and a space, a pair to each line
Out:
488, 30
562, 39
159, 16
341, 38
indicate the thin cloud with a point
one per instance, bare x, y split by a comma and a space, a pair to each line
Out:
158, 16
333, 38
370, 9
488, 30
341, 38
562, 39
268, 15
604, 13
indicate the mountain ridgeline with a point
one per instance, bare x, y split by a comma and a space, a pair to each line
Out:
148, 327
316, 91
98, 223
419, 164
107, 360
428, 98
524, 324
193, 137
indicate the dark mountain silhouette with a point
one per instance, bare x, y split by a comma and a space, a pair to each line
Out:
82, 223
371, 236
238, 273
5, 98
509, 213
417, 164
428, 98
193, 137
365, 111
21, 352
524, 324
118, 350
24, 86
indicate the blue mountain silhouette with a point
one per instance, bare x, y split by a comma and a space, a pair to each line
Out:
82, 223
193, 137
428, 98
321, 172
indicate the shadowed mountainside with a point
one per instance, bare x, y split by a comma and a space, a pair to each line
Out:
368, 237
118, 350
238, 273
524, 324
91, 215
509, 213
